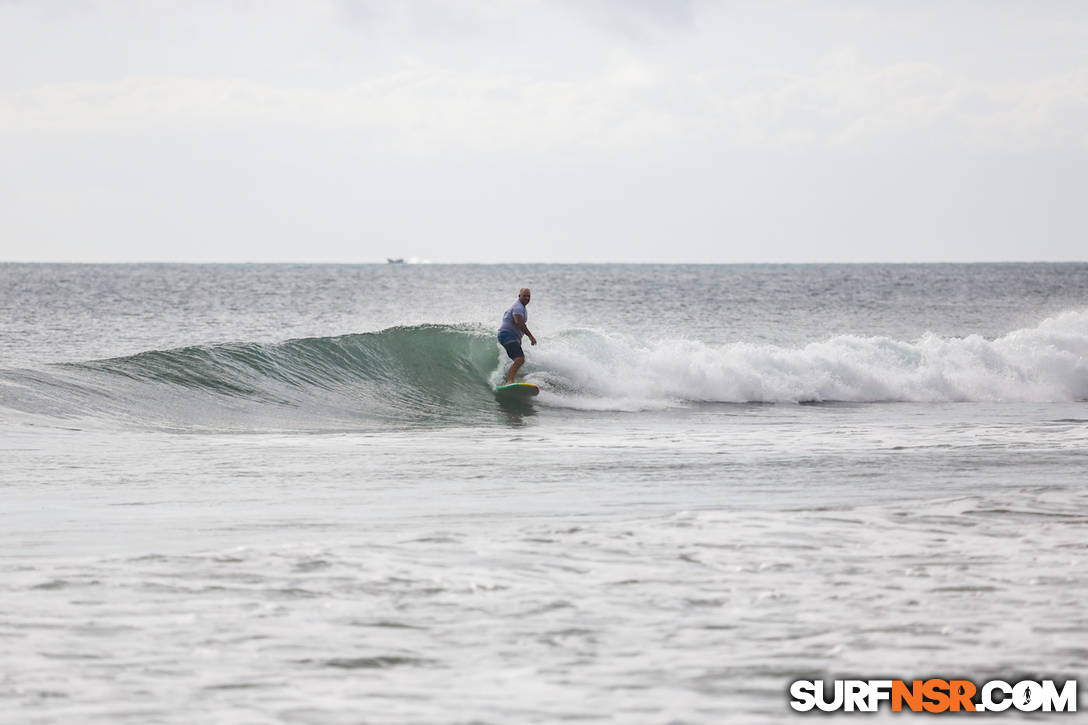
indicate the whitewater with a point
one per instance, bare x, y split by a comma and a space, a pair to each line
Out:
276, 493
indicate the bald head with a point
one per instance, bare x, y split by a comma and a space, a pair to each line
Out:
524, 295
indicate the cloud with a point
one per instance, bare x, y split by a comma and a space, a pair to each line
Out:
639, 20
629, 105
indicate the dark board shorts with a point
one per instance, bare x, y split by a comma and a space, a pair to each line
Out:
513, 348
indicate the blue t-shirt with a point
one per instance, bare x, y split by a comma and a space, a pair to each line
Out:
508, 330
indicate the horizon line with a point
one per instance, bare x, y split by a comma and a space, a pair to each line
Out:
484, 264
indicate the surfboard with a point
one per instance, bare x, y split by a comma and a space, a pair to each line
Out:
518, 390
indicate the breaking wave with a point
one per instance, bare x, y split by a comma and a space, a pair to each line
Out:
1048, 362
442, 374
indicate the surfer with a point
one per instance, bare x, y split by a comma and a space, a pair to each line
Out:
511, 330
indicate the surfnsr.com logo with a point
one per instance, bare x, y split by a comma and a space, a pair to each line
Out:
933, 695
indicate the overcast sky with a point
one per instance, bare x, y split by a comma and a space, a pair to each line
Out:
543, 130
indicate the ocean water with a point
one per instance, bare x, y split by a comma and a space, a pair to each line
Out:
261, 493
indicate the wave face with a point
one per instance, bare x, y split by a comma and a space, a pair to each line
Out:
426, 373
444, 374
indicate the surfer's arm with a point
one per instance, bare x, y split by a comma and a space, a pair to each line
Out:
520, 322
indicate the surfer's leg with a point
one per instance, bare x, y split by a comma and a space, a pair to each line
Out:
513, 370
513, 351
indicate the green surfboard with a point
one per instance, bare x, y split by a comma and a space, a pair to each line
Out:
517, 390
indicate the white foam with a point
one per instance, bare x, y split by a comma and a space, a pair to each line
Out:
592, 370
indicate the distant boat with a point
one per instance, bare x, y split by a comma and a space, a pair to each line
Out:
395, 261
